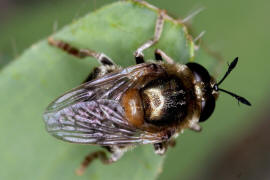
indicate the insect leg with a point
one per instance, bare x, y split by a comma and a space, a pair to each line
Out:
195, 127
158, 30
158, 56
89, 159
160, 148
81, 53
172, 143
117, 153
162, 55
100, 71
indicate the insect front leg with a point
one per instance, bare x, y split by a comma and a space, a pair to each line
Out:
139, 57
116, 154
81, 53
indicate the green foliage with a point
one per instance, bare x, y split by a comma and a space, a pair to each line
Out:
3, 60
42, 73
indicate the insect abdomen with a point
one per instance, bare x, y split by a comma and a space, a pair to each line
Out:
132, 104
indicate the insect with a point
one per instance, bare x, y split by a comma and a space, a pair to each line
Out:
148, 103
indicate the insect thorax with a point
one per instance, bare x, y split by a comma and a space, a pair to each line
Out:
164, 101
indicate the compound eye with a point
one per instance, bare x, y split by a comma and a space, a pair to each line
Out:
200, 73
208, 107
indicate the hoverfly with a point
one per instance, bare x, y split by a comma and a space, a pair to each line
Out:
148, 103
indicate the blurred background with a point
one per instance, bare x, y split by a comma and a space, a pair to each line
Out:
234, 143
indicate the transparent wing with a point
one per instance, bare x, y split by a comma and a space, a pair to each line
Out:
91, 113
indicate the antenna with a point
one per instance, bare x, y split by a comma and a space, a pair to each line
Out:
216, 88
230, 68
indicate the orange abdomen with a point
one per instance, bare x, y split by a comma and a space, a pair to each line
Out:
132, 104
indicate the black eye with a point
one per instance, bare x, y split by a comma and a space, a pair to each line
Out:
200, 73
208, 107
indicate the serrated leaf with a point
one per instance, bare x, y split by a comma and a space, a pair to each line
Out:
42, 73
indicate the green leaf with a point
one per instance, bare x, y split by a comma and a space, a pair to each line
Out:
42, 73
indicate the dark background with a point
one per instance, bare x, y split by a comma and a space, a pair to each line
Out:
234, 142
